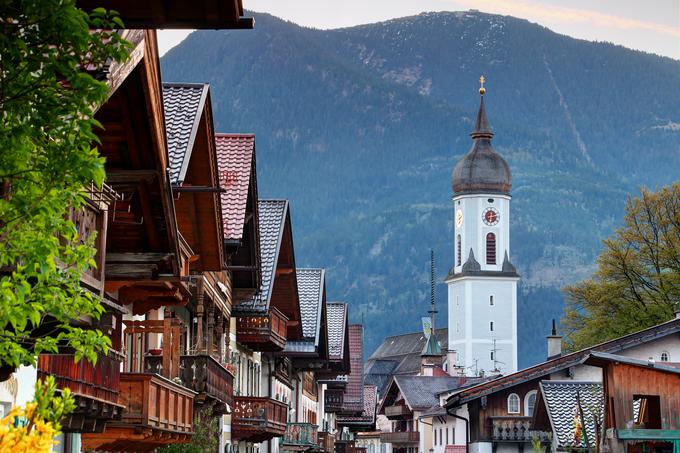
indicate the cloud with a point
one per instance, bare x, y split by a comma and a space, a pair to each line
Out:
548, 13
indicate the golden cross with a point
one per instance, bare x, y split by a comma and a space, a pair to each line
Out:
482, 90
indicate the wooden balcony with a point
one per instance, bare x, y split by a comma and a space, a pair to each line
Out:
158, 412
207, 377
300, 436
398, 412
256, 419
404, 437
326, 441
333, 400
262, 333
514, 429
96, 388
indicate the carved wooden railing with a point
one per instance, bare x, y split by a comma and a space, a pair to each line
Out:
333, 400
326, 441
96, 388
405, 437
206, 376
257, 419
301, 435
398, 411
514, 429
262, 333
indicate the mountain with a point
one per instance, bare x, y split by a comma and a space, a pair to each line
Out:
360, 128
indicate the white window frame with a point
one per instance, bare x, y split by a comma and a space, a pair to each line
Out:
514, 397
667, 357
527, 412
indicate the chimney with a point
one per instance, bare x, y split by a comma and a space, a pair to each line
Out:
677, 313
451, 358
554, 343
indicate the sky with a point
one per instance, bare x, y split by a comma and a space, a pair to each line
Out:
648, 25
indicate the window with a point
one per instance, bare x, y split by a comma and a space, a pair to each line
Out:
513, 404
646, 412
529, 403
435, 436
458, 252
490, 248
665, 357
491, 326
447, 436
490, 300
492, 356
440, 436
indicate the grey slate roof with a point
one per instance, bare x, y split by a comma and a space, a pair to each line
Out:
182, 104
420, 392
337, 315
310, 289
398, 355
560, 399
272, 218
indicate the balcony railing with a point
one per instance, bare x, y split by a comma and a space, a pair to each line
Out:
96, 388
158, 411
405, 437
301, 435
262, 333
333, 400
206, 376
257, 419
398, 411
514, 429
326, 441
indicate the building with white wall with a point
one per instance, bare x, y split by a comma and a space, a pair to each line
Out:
482, 284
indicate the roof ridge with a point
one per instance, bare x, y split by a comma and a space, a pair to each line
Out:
186, 84
235, 134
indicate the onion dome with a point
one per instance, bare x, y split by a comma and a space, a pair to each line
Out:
482, 170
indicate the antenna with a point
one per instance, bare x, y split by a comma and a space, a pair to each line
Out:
433, 310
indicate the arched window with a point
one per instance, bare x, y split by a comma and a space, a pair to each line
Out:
513, 404
458, 252
529, 403
490, 248
665, 357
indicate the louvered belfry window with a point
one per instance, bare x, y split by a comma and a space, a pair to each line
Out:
490, 248
458, 251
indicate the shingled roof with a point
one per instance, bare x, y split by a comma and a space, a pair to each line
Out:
337, 321
236, 162
559, 400
311, 291
421, 392
353, 400
563, 362
367, 417
183, 105
398, 355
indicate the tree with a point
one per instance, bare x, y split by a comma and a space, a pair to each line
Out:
51, 52
637, 282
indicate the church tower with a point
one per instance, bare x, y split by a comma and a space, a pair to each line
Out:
482, 284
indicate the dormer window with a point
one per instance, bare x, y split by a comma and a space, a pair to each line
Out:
513, 404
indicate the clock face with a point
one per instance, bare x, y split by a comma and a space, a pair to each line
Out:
490, 216
459, 218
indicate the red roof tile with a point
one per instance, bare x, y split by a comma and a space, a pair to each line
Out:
354, 391
236, 164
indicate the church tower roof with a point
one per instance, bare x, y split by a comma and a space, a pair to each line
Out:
482, 170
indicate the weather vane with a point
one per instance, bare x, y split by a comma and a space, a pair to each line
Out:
482, 90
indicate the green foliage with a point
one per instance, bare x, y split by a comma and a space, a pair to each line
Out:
637, 282
51, 406
47, 98
206, 436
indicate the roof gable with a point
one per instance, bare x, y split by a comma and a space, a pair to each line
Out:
563, 362
337, 326
311, 289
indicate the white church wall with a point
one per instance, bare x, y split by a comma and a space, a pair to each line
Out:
669, 344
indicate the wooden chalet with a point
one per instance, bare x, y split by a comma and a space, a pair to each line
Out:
238, 179
266, 322
148, 261
500, 411
151, 14
334, 374
641, 400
